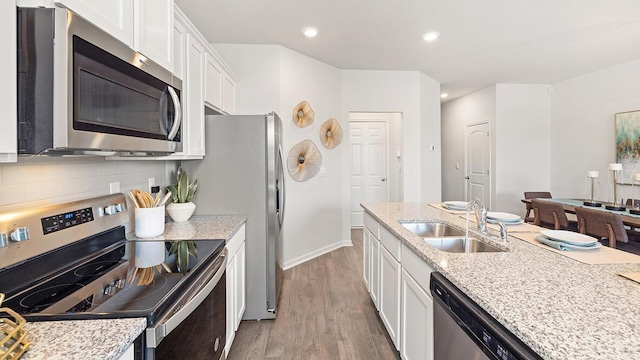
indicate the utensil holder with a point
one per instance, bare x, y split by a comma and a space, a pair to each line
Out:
149, 222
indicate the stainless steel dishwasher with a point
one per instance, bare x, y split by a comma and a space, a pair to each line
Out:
463, 330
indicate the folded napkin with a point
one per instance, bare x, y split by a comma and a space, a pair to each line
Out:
564, 246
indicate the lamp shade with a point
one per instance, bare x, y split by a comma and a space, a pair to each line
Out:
303, 114
615, 167
331, 133
593, 174
304, 161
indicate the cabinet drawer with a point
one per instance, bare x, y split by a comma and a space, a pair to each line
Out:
235, 242
390, 242
417, 268
371, 224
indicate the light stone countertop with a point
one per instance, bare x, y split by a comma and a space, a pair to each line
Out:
199, 227
108, 339
82, 339
561, 308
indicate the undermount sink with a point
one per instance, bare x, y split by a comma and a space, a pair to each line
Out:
461, 245
433, 229
448, 238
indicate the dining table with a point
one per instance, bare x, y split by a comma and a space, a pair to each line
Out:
570, 206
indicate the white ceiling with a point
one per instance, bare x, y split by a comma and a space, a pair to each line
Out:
481, 42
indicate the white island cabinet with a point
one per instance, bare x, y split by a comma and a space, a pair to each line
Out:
398, 283
236, 285
8, 95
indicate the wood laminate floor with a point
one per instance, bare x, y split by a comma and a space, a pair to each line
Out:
325, 312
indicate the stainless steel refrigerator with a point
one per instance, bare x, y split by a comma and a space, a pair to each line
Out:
243, 173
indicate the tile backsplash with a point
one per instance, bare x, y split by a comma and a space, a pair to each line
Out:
39, 181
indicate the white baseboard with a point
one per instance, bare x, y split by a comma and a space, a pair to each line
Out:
314, 254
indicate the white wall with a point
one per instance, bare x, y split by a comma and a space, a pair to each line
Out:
522, 143
38, 181
274, 78
314, 208
583, 126
477, 107
430, 160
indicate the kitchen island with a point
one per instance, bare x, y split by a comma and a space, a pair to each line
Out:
560, 308
107, 339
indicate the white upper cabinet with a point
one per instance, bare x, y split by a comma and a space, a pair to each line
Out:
193, 136
179, 46
144, 25
229, 94
153, 31
113, 16
8, 93
213, 81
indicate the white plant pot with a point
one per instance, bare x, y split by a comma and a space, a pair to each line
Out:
181, 212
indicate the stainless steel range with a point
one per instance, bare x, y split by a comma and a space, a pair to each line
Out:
73, 261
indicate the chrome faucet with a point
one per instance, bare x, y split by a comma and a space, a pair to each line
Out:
481, 214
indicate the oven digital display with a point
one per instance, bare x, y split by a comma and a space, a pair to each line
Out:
62, 221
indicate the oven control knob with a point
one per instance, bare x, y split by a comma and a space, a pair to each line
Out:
120, 207
110, 290
100, 211
19, 234
110, 210
119, 283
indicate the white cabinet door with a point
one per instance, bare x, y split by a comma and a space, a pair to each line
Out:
417, 321
390, 294
228, 94
113, 16
231, 294
193, 91
213, 82
179, 47
153, 30
128, 354
374, 260
8, 93
240, 286
366, 257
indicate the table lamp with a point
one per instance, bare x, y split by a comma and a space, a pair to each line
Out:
592, 176
615, 206
635, 209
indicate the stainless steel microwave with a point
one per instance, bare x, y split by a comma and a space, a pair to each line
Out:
83, 92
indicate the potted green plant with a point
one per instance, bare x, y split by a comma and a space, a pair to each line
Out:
181, 207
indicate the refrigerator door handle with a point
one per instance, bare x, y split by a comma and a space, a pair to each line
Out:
280, 184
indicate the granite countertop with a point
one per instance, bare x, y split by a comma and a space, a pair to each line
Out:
82, 339
199, 227
561, 308
108, 339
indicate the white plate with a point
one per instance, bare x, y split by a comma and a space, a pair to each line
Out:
565, 246
570, 237
502, 216
455, 205
508, 223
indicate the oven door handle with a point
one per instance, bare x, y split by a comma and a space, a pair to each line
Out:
157, 333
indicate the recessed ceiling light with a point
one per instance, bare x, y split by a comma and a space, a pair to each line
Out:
444, 95
310, 32
431, 36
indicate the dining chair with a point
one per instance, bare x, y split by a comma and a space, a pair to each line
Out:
603, 224
551, 215
534, 195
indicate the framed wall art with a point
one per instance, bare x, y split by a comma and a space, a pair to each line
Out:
628, 144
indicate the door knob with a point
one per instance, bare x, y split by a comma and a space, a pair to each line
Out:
383, 179
466, 177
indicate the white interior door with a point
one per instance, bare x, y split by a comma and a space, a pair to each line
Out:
477, 162
368, 166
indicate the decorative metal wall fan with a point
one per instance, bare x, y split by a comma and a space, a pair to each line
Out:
304, 160
303, 114
331, 133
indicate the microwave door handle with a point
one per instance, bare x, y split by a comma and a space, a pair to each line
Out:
178, 111
156, 334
